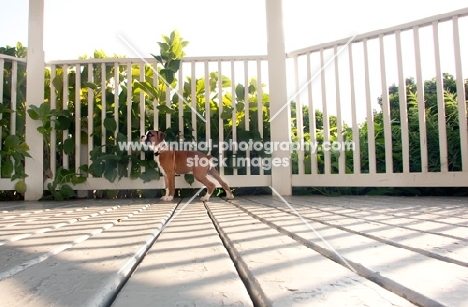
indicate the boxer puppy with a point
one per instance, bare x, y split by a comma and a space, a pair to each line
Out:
172, 162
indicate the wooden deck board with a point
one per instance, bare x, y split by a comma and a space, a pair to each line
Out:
71, 253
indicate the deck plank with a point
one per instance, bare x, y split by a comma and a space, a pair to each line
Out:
73, 253
187, 266
78, 276
291, 274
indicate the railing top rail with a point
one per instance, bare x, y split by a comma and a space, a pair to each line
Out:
153, 60
12, 58
374, 34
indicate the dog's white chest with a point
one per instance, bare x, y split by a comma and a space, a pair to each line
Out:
161, 169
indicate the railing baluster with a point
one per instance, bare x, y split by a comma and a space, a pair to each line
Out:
357, 143
461, 98
220, 121
193, 90
142, 106
421, 103
103, 105
370, 115
129, 111
65, 107
77, 117
207, 106
90, 111
403, 105
440, 102
155, 102
339, 123
234, 113
299, 124
168, 104
181, 104
14, 91
246, 110
116, 98
326, 122
2, 63
312, 125
53, 133
260, 105
386, 109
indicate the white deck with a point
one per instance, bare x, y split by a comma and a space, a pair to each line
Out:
253, 251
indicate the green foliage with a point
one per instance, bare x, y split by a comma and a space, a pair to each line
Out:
108, 89
414, 134
59, 189
14, 150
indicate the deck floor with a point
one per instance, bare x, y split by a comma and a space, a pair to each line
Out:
251, 251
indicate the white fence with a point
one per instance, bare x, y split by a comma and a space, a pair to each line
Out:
12, 71
239, 70
389, 148
348, 88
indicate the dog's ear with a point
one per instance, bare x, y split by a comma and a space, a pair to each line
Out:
161, 135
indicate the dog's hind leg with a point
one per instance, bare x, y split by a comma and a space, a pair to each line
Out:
213, 172
210, 186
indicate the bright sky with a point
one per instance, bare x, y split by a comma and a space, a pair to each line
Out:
213, 27
237, 27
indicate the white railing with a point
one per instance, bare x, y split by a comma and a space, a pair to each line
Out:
347, 88
12, 80
240, 70
390, 151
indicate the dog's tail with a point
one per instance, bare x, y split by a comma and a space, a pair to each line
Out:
210, 158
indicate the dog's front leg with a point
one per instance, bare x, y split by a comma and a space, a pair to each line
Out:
169, 181
169, 196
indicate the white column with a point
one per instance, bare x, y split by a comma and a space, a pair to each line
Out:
280, 125
35, 96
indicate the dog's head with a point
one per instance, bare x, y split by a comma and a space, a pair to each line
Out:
153, 138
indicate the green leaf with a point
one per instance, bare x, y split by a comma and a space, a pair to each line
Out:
163, 109
96, 169
84, 168
57, 196
149, 174
20, 187
44, 130
240, 92
4, 109
77, 179
110, 174
63, 123
189, 178
7, 168
33, 113
68, 146
157, 57
11, 142
135, 173
110, 124
174, 65
67, 191
148, 88
227, 113
108, 157
91, 85
167, 74
22, 149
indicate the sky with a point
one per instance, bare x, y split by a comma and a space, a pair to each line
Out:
213, 27
225, 28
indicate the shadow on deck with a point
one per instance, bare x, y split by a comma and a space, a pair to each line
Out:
251, 251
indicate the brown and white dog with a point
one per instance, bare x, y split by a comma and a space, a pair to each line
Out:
172, 162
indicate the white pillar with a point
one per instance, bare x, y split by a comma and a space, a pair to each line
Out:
280, 126
35, 96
